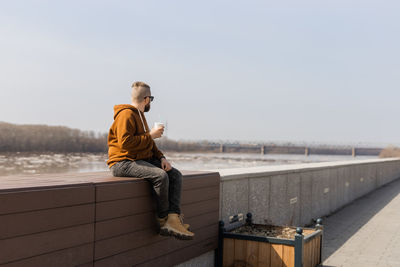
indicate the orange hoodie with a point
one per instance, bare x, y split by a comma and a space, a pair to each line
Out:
129, 136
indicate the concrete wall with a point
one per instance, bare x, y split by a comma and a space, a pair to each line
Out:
298, 194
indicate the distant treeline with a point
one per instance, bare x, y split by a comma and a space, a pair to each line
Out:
390, 152
166, 144
44, 138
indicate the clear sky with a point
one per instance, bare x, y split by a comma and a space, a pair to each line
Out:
313, 71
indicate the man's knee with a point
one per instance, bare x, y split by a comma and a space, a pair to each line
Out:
162, 177
176, 174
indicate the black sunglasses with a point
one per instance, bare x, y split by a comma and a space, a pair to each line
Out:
151, 98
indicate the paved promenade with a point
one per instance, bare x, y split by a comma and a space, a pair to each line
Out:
366, 232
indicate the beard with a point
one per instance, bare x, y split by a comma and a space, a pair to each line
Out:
147, 108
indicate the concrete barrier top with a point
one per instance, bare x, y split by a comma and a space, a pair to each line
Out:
262, 171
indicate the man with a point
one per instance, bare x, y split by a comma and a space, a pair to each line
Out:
133, 152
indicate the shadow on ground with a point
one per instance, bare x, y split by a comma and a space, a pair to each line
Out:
343, 224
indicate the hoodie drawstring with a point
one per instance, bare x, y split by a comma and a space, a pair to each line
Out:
142, 120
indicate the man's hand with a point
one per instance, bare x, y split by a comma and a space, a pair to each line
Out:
165, 165
156, 132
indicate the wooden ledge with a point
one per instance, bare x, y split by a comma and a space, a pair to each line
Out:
43, 181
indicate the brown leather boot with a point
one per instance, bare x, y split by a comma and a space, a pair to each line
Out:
162, 221
173, 227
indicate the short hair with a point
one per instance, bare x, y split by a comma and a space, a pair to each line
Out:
139, 91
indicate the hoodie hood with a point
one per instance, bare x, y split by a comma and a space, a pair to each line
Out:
119, 108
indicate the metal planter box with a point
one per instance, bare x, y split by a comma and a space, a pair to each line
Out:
250, 250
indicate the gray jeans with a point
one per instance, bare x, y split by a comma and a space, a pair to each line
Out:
166, 185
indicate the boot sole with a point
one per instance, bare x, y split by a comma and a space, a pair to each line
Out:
166, 232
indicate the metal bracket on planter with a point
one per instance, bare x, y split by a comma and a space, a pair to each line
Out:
236, 218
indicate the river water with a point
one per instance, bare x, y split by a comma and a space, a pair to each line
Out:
33, 163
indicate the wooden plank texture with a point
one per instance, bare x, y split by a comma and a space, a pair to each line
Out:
202, 207
288, 256
183, 254
115, 191
139, 187
125, 207
13, 202
276, 255
315, 253
196, 195
124, 225
54, 220
17, 224
229, 252
205, 180
264, 254
74, 256
110, 246
252, 253
21, 247
240, 251
41, 181
146, 253
318, 249
126, 231
307, 254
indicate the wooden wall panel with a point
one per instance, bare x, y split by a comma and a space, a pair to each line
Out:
17, 224
126, 231
183, 254
35, 244
115, 191
73, 219
75, 256
201, 194
204, 180
46, 222
138, 187
123, 225
20, 201
191, 210
124, 207
128, 241
166, 246
128, 224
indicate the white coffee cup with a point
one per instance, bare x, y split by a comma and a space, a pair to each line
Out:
158, 125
